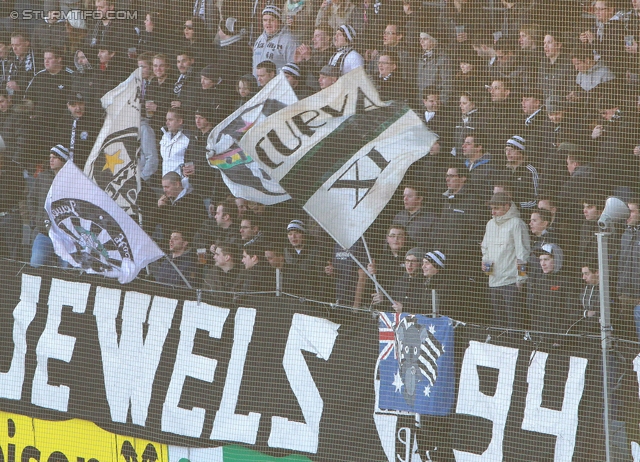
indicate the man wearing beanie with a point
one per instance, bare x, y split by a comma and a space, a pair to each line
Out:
346, 58
520, 174
216, 92
276, 43
42, 252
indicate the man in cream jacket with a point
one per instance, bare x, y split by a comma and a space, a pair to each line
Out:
505, 251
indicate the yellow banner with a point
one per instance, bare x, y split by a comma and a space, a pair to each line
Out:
27, 439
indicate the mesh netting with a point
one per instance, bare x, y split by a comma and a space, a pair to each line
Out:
328, 230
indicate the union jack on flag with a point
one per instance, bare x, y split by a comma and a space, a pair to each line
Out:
387, 334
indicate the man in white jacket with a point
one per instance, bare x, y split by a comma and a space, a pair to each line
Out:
506, 246
174, 143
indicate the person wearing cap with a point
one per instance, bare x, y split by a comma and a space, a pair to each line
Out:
42, 252
305, 261
312, 59
520, 174
295, 78
548, 295
346, 58
80, 126
234, 57
434, 68
505, 245
276, 43
328, 76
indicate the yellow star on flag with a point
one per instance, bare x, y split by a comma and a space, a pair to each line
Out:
112, 160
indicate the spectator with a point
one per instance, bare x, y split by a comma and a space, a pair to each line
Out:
388, 264
205, 180
549, 294
174, 143
215, 91
112, 69
540, 235
250, 227
224, 275
247, 88
435, 116
592, 207
417, 221
226, 218
148, 160
42, 252
434, 67
197, 43
160, 92
629, 267
328, 76
389, 83
480, 165
407, 290
23, 65
295, 78
392, 41
606, 36
505, 245
265, 72
470, 120
109, 30
187, 88
346, 57
312, 59
305, 261
257, 275
80, 126
522, 176
50, 34
589, 299
48, 90
556, 75
183, 257
505, 111
534, 125
591, 73
275, 44
178, 207
349, 278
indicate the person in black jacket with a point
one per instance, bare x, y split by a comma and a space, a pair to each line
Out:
549, 295
257, 276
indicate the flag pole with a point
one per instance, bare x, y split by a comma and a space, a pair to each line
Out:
371, 276
178, 271
366, 248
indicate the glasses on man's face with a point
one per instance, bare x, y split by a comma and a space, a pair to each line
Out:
395, 236
187, 27
411, 261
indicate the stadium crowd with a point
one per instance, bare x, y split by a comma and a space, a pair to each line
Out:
536, 105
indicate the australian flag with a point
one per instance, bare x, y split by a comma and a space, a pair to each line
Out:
416, 364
